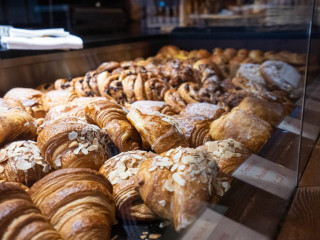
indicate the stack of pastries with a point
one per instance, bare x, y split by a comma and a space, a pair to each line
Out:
145, 140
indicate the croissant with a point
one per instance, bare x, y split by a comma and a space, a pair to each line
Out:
21, 162
112, 118
177, 184
271, 112
77, 201
108, 66
210, 111
70, 142
58, 97
195, 128
159, 130
120, 171
31, 100
20, 218
228, 154
242, 126
151, 106
15, 124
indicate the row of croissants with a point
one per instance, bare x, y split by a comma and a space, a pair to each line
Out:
134, 140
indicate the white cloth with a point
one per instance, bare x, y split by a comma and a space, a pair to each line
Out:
44, 39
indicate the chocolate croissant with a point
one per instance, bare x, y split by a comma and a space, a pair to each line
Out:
15, 124
70, 142
112, 118
31, 100
77, 201
20, 218
121, 171
159, 130
177, 184
21, 162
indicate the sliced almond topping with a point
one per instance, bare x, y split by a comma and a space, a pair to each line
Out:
23, 165
137, 156
181, 167
1, 169
93, 148
168, 186
203, 179
178, 179
188, 159
85, 151
57, 162
3, 154
174, 167
153, 168
73, 144
165, 164
162, 202
72, 135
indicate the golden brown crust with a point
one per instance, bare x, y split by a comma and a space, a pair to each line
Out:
45, 87
77, 201
271, 112
121, 171
242, 126
21, 162
69, 143
112, 118
15, 124
229, 154
31, 100
159, 130
108, 66
153, 106
20, 218
210, 111
166, 183
194, 127
58, 97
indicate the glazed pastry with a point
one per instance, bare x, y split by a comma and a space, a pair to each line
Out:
210, 111
31, 100
242, 126
271, 112
228, 154
177, 184
77, 201
20, 218
148, 107
121, 171
280, 75
58, 97
155, 89
15, 124
251, 72
189, 92
159, 130
70, 143
195, 128
21, 162
111, 117
173, 98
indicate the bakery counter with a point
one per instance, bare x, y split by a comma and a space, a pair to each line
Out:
220, 135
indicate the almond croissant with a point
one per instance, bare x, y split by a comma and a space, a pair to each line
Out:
20, 219
21, 162
70, 142
78, 202
120, 171
112, 118
177, 184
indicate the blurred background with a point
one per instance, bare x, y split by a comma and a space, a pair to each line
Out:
92, 17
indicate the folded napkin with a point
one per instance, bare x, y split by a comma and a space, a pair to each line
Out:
44, 39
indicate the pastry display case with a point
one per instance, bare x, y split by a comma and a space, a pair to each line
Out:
202, 133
